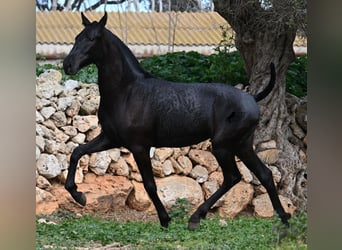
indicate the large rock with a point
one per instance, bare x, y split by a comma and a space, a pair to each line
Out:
114, 154
42, 182
131, 162
157, 168
73, 109
216, 176
79, 138
51, 75
46, 203
204, 158
78, 176
64, 102
39, 117
245, 172
161, 169
263, 206
236, 200
90, 107
209, 188
139, 199
276, 174
173, 187
161, 154
269, 156
48, 166
47, 112
99, 162
85, 123
70, 85
104, 194
48, 85
199, 173
120, 167
69, 130
59, 119
51, 147
183, 165
107, 189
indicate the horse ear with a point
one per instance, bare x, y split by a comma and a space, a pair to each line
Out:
103, 20
85, 21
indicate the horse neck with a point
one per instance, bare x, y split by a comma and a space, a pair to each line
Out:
114, 71
131, 59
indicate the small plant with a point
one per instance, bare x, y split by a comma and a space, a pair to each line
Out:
227, 42
180, 210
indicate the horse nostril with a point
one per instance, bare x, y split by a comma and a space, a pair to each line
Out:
67, 67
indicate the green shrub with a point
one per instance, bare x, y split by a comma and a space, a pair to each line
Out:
296, 77
225, 67
222, 67
194, 67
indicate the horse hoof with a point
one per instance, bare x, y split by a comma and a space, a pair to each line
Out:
193, 225
81, 198
165, 223
285, 219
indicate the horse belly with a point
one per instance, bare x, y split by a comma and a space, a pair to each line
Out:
179, 132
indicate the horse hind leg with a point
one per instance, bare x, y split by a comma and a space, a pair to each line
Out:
232, 176
99, 143
264, 174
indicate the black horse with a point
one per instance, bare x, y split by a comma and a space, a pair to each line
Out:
138, 111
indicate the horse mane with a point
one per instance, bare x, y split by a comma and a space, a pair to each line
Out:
129, 56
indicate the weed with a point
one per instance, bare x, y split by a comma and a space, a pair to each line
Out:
180, 210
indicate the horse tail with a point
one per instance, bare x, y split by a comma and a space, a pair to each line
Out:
269, 87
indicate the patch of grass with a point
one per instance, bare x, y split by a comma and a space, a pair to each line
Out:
238, 233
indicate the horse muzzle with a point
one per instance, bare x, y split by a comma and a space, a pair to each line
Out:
69, 67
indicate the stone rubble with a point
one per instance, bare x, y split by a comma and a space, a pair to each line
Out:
66, 117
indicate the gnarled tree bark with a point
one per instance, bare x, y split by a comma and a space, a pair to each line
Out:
265, 35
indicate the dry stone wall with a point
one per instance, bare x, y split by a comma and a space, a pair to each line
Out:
66, 117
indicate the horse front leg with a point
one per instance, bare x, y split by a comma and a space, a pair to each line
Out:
141, 156
99, 143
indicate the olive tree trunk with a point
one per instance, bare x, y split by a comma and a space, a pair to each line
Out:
262, 40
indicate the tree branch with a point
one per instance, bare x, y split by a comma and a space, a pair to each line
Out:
99, 3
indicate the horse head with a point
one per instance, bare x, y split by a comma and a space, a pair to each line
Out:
86, 46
